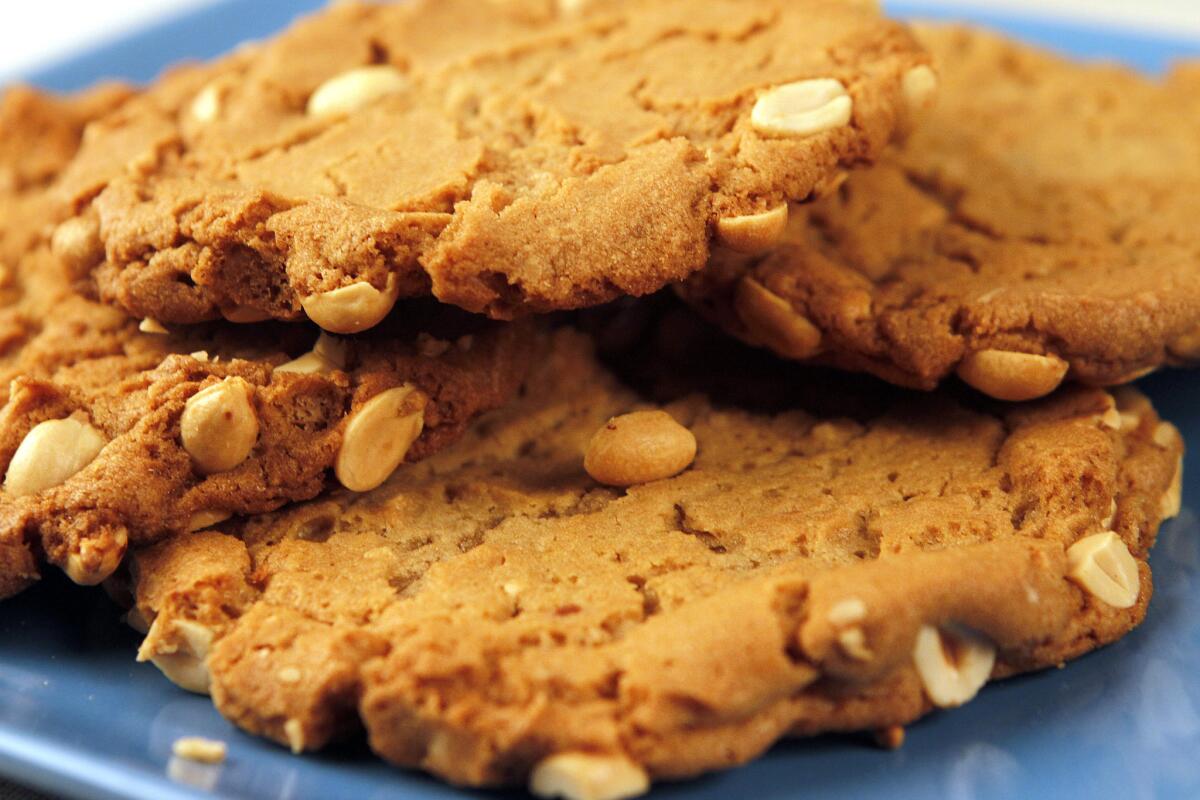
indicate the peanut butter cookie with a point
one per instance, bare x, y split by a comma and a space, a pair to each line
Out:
1040, 226
495, 615
115, 431
39, 135
507, 157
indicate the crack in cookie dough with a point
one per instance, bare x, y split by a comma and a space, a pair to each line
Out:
806, 574
1037, 227
503, 156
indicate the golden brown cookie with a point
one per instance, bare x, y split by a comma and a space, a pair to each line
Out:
507, 157
493, 615
39, 135
112, 435
115, 431
1039, 226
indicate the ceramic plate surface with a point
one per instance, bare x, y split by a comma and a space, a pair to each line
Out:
79, 718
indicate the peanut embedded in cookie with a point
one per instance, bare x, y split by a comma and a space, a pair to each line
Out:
495, 615
1039, 226
508, 158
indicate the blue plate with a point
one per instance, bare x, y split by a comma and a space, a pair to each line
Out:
79, 718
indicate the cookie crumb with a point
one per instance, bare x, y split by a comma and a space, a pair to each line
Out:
151, 325
197, 748
890, 738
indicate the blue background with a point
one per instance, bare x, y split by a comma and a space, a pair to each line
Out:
79, 717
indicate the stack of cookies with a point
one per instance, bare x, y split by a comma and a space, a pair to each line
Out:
328, 361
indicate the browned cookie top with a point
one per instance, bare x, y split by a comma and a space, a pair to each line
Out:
1040, 224
494, 615
509, 157
39, 135
112, 435
114, 431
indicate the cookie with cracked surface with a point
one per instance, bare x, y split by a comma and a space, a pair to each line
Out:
98, 415
493, 615
1038, 227
39, 135
507, 157
40, 132
115, 432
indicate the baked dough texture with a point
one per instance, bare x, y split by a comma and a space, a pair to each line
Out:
39, 135
1044, 207
493, 606
72, 358
64, 356
507, 157
840, 555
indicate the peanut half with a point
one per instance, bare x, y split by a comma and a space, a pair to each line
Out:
50, 454
1012, 376
378, 437
804, 108
1104, 567
354, 89
953, 663
638, 448
219, 426
351, 309
588, 776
